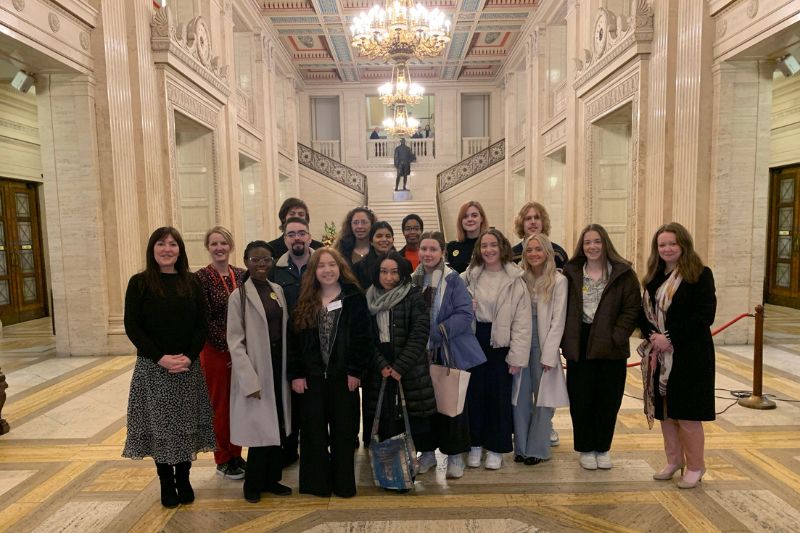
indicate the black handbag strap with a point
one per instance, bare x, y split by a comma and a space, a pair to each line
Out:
446, 347
376, 419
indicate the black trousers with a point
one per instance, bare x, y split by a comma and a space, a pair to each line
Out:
489, 397
263, 467
327, 447
595, 388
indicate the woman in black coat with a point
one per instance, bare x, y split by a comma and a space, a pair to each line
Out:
327, 357
400, 327
603, 302
678, 354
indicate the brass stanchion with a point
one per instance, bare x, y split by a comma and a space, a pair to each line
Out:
756, 399
4, 427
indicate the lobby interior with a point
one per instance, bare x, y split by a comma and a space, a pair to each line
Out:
126, 116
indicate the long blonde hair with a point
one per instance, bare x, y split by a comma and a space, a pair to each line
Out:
543, 285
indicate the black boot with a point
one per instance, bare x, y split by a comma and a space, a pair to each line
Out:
185, 492
166, 476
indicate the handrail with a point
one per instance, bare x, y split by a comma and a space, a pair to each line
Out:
318, 162
470, 166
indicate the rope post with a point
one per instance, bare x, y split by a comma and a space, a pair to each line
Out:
756, 399
4, 427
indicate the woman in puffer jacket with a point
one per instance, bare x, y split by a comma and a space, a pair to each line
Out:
400, 325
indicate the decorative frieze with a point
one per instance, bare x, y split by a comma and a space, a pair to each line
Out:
19, 5
613, 97
54, 22
192, 106
191, 44
612, 36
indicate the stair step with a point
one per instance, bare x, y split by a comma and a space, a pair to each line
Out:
394, 212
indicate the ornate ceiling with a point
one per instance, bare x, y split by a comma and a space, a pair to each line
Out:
316, 34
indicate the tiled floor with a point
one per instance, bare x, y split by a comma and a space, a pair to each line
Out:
61, 470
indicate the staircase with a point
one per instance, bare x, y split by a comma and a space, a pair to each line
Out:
394, 212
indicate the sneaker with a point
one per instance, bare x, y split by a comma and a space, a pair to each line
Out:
455, 466
604, 460
230, 470
588, 460
474, 457
241, 463
493, 461
554, 440
426, 461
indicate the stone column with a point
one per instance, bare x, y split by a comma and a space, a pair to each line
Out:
447, 133
739, 188
118, 163
660, 132
536, 100
73, 212
265, 76
573, 220
230, 189
692, 118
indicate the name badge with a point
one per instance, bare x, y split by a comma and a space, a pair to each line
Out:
333, 306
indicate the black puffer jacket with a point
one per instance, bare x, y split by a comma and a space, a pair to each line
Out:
408, 356
352, 347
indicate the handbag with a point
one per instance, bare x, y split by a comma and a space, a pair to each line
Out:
394, 460
449, 383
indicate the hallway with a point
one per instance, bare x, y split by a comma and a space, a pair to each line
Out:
61, 470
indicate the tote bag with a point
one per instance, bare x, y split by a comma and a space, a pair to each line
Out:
394, 460
449, 383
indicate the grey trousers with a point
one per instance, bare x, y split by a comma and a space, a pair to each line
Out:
532, 426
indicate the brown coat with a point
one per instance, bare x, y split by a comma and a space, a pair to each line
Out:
615, 319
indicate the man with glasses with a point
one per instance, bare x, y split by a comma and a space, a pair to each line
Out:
291, 208
412, 230
287, 272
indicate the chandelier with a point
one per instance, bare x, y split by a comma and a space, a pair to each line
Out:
400, 90
400, 30
400, 124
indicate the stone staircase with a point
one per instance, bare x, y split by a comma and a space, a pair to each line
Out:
394, 212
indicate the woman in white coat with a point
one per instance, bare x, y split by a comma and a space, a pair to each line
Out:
260, 406
540, 387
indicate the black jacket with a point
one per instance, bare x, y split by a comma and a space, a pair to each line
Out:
279, 246
560, 255
352, 346
616, 315
407, 355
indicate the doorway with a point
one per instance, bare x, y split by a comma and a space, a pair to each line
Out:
22, 288
783, 241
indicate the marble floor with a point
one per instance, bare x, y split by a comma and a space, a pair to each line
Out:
61, 470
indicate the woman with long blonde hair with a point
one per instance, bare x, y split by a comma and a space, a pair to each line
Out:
543, 378
328, 356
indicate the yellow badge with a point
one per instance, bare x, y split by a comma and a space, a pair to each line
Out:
273, 296
585, 289
456, 252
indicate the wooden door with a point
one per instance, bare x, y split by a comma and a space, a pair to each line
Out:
783, 264
22, 288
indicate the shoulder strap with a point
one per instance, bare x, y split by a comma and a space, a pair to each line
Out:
243, 303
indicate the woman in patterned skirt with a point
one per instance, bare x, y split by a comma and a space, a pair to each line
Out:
169, 413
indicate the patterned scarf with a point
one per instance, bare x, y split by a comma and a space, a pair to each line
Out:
380, 302
651, 358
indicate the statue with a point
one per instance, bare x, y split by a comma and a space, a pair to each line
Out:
403, 157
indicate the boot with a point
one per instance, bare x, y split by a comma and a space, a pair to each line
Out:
166, 476
185, 492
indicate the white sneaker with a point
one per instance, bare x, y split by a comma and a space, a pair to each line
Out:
493, 461
588, 460
554, 440
426, 461
474, 457
604, 460
455, 466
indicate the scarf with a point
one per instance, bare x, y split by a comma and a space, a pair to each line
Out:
380, 302
432, 292
650, 358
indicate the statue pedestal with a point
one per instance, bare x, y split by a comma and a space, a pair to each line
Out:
401, 196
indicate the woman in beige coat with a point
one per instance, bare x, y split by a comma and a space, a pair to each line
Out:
503, 329
260, 406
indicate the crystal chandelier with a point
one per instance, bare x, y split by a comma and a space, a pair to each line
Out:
400, 124
399, 31
400, 90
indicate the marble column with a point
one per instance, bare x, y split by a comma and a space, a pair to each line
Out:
692, 118
447, 134
229, 201
118, 163
739, 188
73, 213
660, 132
573, 183
536, 98
265, 76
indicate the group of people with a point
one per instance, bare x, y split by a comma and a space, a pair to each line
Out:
272, 357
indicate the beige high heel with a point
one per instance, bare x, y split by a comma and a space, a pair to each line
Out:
691, 483
668, 472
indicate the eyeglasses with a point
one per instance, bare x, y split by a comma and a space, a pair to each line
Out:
412, 228
260, 259
297, 234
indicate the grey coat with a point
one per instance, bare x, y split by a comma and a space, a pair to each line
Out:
254, 422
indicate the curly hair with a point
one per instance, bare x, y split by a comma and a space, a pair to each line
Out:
519, 221
506, 252
346, 241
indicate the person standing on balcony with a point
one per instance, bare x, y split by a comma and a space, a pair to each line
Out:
533, 219
412, 229
403, 157
291, 208
374, 135
428, 132
471, 223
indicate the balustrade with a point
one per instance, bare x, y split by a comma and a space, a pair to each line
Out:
327, 148
384, 148
472, 145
